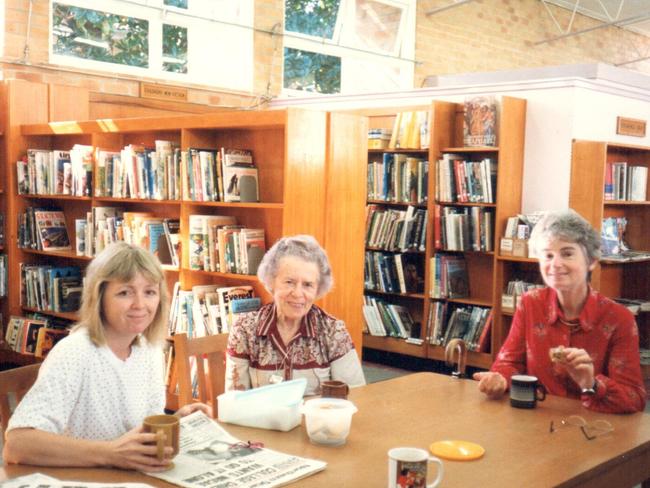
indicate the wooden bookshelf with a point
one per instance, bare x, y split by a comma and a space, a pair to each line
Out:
614, 279
485, 269
302, 175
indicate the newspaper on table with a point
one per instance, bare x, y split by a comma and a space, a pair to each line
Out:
209, 457
39, 480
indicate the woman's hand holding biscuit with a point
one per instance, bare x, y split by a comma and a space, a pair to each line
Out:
577, 363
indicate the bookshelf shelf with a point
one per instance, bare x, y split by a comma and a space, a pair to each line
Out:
517, 259
396, 204
230, 276
624, 203
64, 315
134, 201
467, 204
71, 198
56, 254
416, 296
471, 301
399, 151
465, 149
394, 345
614, 278
261, 205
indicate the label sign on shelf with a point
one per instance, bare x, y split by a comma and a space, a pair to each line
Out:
630, 127
161, 92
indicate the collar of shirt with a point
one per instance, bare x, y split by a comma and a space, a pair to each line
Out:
268, 322
586, 315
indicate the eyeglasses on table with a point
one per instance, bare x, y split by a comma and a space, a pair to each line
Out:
591, 430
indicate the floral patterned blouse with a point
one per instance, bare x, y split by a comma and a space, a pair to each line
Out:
321, 350
608, 332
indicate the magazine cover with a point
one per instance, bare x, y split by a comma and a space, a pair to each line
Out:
52, 232
480, 121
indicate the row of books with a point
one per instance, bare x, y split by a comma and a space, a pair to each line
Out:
634, 305
459, 180
51, 288
410, 130
3, 275
449, 278
227, 175
32, 336
140, 172
218, 243
519, 287
393, 273
623, 182
398, 178
104, 225
46, 172
388, 319
2, 229
463, 228
470, 323
396, 230
209, 309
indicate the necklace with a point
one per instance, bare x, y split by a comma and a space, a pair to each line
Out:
573, 325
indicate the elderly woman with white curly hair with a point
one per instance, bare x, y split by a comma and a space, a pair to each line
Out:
579, 343
291, 337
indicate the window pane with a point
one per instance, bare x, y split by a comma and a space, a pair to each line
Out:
176, 3
174, 48
100, 36
308, 71
377, 24
312, 17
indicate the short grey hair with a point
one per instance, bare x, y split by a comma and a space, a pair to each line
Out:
304, 247
567, 225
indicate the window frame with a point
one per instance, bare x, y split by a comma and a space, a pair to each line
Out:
239, 21
401, 57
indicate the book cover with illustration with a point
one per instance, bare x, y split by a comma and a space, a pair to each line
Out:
51, 230
240, 184
480, 121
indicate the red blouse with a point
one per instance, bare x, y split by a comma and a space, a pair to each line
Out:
608, 332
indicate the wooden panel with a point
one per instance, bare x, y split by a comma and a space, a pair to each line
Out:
68, 103
588, 180
345, 218
304, 175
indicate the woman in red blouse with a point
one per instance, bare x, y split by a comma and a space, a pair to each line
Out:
595, 340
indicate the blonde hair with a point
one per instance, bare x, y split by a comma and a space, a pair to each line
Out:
120, 262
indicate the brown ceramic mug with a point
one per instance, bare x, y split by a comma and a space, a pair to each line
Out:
167, 430
334, 389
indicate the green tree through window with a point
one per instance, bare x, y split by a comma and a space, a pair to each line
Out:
312, 17
174, 48
304, 70
100, 36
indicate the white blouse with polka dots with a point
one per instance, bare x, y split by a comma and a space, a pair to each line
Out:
87, 392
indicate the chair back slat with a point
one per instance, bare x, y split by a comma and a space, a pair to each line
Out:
15, 382
206, 356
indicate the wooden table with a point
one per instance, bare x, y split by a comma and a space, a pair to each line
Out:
418, 409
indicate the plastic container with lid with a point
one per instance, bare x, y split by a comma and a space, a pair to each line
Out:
274, 407
328, 420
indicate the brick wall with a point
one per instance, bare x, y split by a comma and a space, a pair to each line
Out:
484, 35
491, 35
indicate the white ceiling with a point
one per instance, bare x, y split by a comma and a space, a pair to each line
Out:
635, 14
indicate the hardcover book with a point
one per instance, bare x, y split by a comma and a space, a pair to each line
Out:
480, 121
47, 339
226, 296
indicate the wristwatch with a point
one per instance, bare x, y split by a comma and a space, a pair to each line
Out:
590, 391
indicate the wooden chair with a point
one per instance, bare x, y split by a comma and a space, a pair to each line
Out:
206, 357
15, 381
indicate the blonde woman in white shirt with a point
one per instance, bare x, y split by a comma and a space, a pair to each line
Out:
98, 384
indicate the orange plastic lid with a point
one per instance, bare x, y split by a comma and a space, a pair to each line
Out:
457, 450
